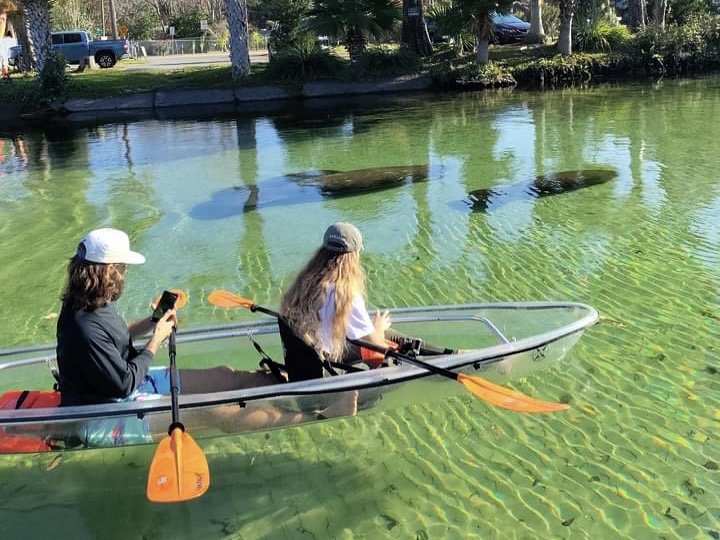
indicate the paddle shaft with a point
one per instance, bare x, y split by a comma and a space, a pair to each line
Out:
405, 358
173, 383
266, 311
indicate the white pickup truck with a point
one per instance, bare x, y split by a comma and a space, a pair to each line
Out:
75, 45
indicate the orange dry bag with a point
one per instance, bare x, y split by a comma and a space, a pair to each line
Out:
25, 399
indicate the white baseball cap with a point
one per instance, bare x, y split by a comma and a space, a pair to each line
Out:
108, 246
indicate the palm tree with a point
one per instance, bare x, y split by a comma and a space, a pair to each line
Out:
355, 20
536, 34
567, 11
289, 30
37, 19
477, 15
239, 50
414, 28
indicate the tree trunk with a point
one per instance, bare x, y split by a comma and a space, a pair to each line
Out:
414, 29
660, 10
356, 43
567, 11
482, 50
113, 19
20, 28
536, 34
638, 14
37, 22
239, 49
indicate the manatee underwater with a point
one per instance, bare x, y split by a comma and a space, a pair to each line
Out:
306, 187
484, 200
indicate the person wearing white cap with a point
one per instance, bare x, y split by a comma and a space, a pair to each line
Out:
98, 363
97, 360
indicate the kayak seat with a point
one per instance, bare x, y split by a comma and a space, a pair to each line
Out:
302, 362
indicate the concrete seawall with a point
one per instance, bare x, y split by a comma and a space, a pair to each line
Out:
164, 98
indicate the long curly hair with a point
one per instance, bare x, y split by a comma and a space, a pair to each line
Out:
92, 285
302, 302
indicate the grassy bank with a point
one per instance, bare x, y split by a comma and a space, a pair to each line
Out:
117, 81
288, 71
602, 55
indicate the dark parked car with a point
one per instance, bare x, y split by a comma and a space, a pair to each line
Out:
509, 28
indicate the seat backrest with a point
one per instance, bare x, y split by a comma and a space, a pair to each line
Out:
302, 362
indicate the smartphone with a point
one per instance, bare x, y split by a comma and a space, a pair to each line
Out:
167, 301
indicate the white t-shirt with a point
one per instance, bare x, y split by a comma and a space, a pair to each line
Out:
5, 44
359, 323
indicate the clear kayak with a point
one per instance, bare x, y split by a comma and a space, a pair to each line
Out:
499, 342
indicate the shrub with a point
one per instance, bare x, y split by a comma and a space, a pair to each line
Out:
188, 24
700, 34
600, 36
298, 65
383, 63
53, 79
471, 75
557, 71
223, 38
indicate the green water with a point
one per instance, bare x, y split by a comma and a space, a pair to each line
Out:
637, 456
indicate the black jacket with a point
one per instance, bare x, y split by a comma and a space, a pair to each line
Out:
96, 357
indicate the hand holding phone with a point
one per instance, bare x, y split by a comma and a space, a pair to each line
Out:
167, 301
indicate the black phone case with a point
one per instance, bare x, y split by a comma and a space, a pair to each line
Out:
167, 301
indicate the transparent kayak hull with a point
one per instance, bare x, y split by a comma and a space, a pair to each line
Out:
500, 342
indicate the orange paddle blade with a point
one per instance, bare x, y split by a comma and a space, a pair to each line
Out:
179, 470
501, 396
181, 302
226, 299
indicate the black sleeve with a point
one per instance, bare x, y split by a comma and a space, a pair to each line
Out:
117, 377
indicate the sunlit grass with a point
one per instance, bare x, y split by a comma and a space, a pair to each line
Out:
120, 80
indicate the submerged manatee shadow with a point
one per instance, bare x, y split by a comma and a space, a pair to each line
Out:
485, 200
305, 187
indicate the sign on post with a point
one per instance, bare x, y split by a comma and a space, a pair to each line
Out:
171, 30
204, 25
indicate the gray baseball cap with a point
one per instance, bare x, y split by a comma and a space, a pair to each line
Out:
342, 237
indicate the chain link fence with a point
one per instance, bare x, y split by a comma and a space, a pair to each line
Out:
199, 45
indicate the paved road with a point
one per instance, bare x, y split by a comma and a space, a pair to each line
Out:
179, 61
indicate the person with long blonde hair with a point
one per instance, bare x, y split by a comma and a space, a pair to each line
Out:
324, 311
325, 305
